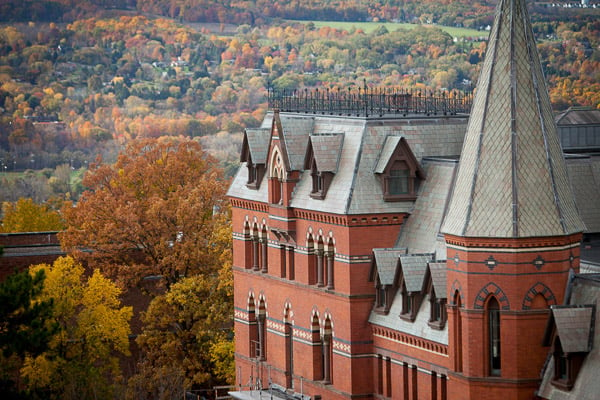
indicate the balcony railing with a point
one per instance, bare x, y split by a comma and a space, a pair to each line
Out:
371, 102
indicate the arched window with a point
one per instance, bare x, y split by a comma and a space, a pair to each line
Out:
329, 257
289, 348
255, 249
494, 338
320, 258
311, 260
261, 320
458, 345
252, 329
264, 245
327, 352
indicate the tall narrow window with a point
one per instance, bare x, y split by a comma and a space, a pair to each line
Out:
493, 315
458, 363
398, 181
289, 350
262, 330
327, 352
264, 245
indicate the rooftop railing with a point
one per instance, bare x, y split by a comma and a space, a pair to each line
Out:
371, 102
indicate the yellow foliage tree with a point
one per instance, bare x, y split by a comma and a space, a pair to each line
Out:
27, 216
82, 360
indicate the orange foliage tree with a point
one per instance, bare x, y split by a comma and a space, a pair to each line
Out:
158, 211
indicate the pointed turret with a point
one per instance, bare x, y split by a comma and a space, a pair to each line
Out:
512, 180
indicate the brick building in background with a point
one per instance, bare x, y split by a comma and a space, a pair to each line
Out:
369, 262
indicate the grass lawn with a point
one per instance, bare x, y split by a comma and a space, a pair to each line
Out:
369, 27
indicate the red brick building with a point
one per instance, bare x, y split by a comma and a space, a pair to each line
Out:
370, 263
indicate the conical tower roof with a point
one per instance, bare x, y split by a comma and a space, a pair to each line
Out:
512, 180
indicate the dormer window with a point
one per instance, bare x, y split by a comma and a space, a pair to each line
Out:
382, 301
320, 182
571, 335
409, 305
437, 311
254, 153
255, 173
322, 160
398, 170
398, 181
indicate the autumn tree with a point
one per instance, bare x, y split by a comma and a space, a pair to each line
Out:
187, 340
26, 216
81, 361
156, 212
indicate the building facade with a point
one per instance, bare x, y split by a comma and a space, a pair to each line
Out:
371, 262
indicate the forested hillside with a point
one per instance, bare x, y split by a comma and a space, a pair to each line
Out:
71, 91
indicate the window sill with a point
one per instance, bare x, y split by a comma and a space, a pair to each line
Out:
562, 384
399, 197
408, 317
437, 325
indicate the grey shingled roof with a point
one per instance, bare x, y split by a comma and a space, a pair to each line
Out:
356, 189
258, 144
296, 130
438, 278
579, 116
573, 325
391, 142
512, 179
422, 227
386, 262
585, 289
584, 174
327, 149
414, 267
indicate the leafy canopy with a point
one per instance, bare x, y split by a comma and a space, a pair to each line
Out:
81, 361
26, 216
157, 211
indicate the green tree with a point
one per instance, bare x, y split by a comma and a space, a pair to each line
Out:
82, 359
26, 216
25, 329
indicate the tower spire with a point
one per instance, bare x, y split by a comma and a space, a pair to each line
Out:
512, 179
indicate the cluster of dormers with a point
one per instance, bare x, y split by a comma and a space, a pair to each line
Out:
303, 149
416, 277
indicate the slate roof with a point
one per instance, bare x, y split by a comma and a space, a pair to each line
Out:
421, 229
413, 268
390, 144
584, 175
573, 326
584, 289
438, 272
327, 149
386, 262
257, 141
420, 326
355, 188
579, 116
296, 130
512, 179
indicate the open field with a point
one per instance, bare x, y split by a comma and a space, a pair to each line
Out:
369, 27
